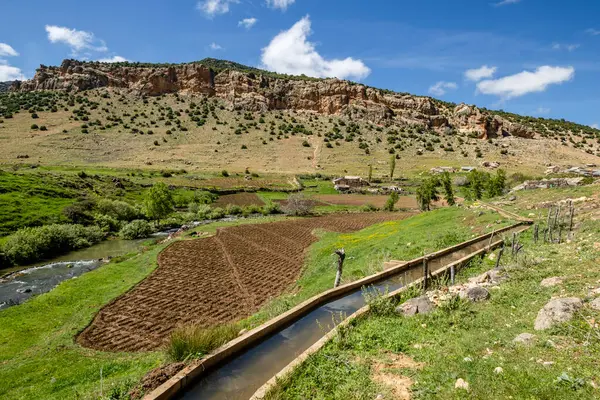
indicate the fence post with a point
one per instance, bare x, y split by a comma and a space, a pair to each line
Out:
572, 211
425, 273
499, 256
341, 253
491, 238
452, 274
513, 244
548, 225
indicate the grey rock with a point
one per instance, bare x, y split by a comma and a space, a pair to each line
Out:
418, 305
552, 281
557, 311
595, 304
512, 198
526, 339
476, 293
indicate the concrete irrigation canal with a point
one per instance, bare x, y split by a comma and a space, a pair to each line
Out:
245, 365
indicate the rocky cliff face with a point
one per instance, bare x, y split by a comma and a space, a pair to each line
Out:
256, 92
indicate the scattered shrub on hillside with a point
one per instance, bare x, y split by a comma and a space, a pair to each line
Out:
271, 208
80, 212
194, 341
136, 229
28, 245
203, 212
193, 207
225, 173
298, 204
251, 209
117, 209
232, 209
368, 208
107, 223
391, 201
216, 213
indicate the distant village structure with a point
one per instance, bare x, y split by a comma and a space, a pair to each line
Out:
348, 183
356, 184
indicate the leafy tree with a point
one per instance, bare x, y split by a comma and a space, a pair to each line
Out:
448, 191
427, 193
391, 201
392, 166
476, 184
497, 184
158, 202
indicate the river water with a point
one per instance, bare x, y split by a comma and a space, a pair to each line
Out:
43, 277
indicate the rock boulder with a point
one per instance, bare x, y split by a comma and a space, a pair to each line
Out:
556, 312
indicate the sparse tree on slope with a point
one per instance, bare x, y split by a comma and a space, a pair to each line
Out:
448, 191
158, 202
427, 193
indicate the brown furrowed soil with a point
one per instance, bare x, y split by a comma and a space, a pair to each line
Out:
239, 199
363, 199
214, 280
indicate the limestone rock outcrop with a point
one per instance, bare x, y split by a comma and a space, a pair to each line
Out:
253, 91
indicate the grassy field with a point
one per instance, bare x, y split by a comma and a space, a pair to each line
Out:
38, 357
422, 357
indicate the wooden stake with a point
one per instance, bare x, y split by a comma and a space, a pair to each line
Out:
491, 237
452, 274
548, 226
513, 244
341, 253
425, 273
499, 256
572, 212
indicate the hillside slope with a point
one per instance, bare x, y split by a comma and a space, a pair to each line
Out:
204, 113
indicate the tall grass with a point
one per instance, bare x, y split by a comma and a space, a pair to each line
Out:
193, 341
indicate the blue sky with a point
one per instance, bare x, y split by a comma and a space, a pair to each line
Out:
534, 57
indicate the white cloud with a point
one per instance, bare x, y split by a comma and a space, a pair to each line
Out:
542, 111
77, 40
568, 47
291, 53
10, 73
526, 82
478, 74
215, 46
593, 32
8, 51
114, 59
595, 126
248, 22
281, 4
441, 87
506, 2
215, 7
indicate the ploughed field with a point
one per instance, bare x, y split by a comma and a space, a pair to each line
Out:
239, 199
214, 280
364, 199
